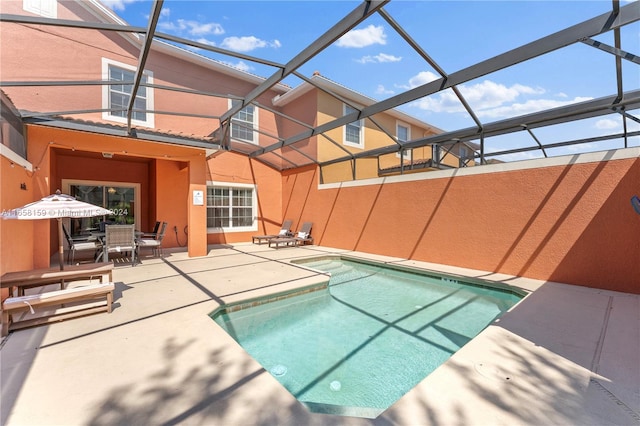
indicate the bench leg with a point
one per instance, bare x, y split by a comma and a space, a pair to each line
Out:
5, 323
109, 301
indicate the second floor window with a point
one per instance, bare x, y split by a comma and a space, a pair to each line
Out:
353, 132
116, 97
435, 153
45, 8
464, 154
403, 133
244, 122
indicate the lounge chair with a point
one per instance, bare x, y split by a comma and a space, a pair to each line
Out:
285, 231
301, 238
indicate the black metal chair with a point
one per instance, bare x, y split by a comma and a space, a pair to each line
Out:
155, 244
80, 244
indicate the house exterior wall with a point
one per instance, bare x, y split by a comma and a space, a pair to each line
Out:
330, 109
570, 223
16, 236
304, 109
60, 53
168, 174
69, 154
231, 169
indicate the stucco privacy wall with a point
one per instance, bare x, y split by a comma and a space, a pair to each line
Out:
566, 219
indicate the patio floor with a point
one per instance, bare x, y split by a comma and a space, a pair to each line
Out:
564, 355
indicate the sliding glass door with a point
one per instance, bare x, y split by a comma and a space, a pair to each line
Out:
121, 199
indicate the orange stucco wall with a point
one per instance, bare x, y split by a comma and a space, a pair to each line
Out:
15, 255
165, 174
571, 223
230, 168
56, 53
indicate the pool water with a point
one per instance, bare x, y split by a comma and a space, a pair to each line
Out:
358, 346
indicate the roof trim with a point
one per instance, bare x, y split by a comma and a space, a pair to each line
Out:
140, 134
345, 92
105, 15
213, 64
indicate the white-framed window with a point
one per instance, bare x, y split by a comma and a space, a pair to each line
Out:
116, 96
244, 123
231, 207
403, 133
464, 153
436, 151
353, 134
44, 8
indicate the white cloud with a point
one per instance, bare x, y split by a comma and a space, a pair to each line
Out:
117, 4
364, 37
616, 125
247, 44
419, 79
607, 123
192, 27
489, 94
381, 90
379, 58
205, 41
488, 99
527, 107
165, 12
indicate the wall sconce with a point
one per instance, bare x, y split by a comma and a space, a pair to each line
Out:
111, 190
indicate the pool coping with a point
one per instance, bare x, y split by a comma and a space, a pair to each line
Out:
564, 348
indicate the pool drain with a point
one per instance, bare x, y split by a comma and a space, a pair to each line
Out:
492, 372
278, 370
335, 386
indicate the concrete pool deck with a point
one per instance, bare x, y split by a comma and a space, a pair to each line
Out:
564, 355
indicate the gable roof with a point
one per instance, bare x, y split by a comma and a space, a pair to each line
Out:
319, 81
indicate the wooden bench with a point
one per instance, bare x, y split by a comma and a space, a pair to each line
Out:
100, 296
41, 277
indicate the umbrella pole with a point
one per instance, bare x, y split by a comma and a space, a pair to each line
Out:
60, 241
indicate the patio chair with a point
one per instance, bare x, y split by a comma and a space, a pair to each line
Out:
285, 231
155, 244
153, 234
80, 244
301, 238
120, 239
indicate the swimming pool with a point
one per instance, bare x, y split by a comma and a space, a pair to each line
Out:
357, 346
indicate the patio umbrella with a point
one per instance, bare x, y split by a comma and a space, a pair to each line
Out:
56, 206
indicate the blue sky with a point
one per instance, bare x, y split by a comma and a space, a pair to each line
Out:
375, 61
